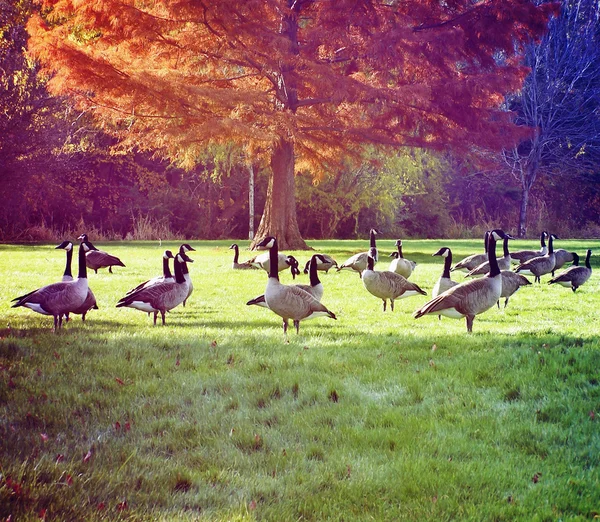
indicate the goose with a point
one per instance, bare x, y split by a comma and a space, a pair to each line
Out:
388, 285
399, 264
160, 297
183, 249
541, 265
97, 259
358, 262
315, 288
470, 262
444, 282
90, 300
575, 275
166, 277
284, 261
289, 301
236, 255
58, 299
521, 256
503, 262
472, 297
562, 257
324, 263
511, 282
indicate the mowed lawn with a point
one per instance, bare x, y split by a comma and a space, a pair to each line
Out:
375, 416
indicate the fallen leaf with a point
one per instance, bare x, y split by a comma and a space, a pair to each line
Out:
69, 480
117, 425
88, 456
434, 347
44, 437
127, 426
59, 458
120, 381
252, 505
213, 344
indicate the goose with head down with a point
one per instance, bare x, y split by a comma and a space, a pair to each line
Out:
575, 275
541, 265
97, 259
470, 262
472, 297
358, 262
503, 262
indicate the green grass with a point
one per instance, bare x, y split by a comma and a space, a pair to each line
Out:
375, 416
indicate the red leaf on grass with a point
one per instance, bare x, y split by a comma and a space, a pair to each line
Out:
44, 437
122, 506
117, 425
59, 458
120, 381
88, 456
127, 426
69, 480
56, 355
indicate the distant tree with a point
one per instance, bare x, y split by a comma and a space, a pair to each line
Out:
301, 82
560, 99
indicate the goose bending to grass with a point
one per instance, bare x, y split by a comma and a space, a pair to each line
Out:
283, 262
575, 275
289, 301
541, 265
236, 265
562, 257
399, 264
358, 262
388, 285
520, 256
324, 263
90, 300
315, 288
470, 262
58, 299
183, 250
160, 297
97, 259
503, 262
511, 282
166, 276
472, 297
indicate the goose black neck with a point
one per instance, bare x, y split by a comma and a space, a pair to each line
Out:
68, 272
179, 267
505, 245
184, 267
587, 259
236, 253
447, 265
550, 244
274, 260
370, 263
82, 266
543, 240
372, 241
486, 239
494, 268
166, 269
314, 278
400, 251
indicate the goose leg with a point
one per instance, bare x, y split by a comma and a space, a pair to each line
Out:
384, 304
285, 327
498, 303
155, 315
505, 302
392, 304
55, 323
162, 315
297, 325
110, 269
470, 323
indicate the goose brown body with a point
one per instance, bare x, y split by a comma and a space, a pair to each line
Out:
474, 260
521, 256
503, 263
401, 265
358, 262
511, 282
236, 265
97, 259
541, 265
574, 276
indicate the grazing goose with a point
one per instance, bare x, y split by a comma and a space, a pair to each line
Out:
503, 262
472, 297
562, 257
183, 249
166, 277
236, 265
525, 255
97, 259
444, 282
315, 288
574, 276
470, 262
324, 263
511, 282
399, 264
388, 285
160, 297
284, 261
538, 266
289, 302
358, 262
90, 300
58, 299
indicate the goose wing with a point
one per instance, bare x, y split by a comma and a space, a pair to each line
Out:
291, 302
99, 258
54, 298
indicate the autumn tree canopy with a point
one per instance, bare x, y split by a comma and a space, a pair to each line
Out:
302, 83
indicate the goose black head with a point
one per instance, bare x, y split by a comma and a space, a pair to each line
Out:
395, 255
67, 245
398, 243
265, 243
498, 234
186, 247
233, 246
168, 254
444, 251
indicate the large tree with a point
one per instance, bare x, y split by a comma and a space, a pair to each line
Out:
301, 83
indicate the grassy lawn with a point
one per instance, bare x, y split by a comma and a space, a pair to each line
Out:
375, 416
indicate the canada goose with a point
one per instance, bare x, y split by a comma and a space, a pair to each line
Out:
472, 297
358, 262
160, 297
58, 299
284, 261
525, 255
289, 301
388, 285
538, 266
324, 263
503, 262
399, 264
166, 277
574, 276
444, 282
97, 259
183, 249
315, 288
511, 282
90, 300
236, 255
470, 262
561, 258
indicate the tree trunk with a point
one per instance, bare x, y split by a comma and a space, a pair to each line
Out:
279, 215
523, 211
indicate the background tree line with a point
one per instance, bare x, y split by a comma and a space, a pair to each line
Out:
59, 173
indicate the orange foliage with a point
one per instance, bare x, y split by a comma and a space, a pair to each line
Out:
330, 76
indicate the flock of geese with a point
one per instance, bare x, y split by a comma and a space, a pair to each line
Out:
488, 279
